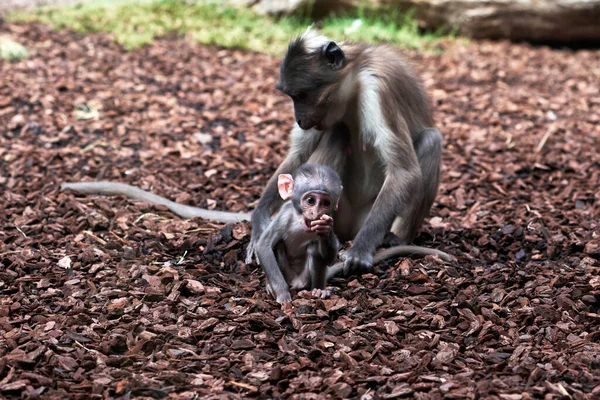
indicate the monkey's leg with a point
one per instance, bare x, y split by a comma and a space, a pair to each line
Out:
270, 290
391, 240
428, 147
315, 267
318, 273
297, 278
320, 256
276, 282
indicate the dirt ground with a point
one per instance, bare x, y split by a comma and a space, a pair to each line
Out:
101, 297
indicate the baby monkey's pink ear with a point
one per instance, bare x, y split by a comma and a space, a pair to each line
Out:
285, 184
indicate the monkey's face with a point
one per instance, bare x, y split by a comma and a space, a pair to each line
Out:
314, 205
310, 103
308, 115
309, 74
315, 106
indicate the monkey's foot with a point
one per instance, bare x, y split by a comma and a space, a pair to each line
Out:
316, 293
391, 240
356, 261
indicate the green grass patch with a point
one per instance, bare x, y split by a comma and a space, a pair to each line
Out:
137, 22
11, 50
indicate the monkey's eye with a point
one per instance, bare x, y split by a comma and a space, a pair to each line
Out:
299, 96
326, 203
310, 201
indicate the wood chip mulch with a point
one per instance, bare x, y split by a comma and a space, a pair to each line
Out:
101, 297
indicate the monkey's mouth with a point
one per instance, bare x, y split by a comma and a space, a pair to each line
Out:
312, 124
308, 127
320, 126
306, 225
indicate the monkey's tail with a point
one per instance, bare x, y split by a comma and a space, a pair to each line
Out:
115, 188
396, 251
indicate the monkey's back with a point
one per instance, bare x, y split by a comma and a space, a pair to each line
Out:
398, 82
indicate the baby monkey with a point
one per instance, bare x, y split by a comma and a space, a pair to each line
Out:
299, 243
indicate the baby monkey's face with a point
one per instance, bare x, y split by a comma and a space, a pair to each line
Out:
314, 205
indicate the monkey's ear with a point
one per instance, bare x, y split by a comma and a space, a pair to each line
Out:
334, 55
285, 185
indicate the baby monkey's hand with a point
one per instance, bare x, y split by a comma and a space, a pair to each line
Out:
322, 226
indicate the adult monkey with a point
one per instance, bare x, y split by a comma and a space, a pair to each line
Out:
367, 98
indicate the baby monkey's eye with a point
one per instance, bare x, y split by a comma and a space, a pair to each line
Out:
326, 203
310, 201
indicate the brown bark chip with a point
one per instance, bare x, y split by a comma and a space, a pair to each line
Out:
101, 297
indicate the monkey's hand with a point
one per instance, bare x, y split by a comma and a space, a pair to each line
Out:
251, 253
283, 297
281, 294
357, 261
322, 226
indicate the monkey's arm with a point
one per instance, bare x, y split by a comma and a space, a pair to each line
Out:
396, 251
135, 193
266, 255
317, 267
328, 248
396, 197
268, 203
399, 195
327, 243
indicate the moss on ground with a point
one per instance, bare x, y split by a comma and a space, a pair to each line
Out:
134, 23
